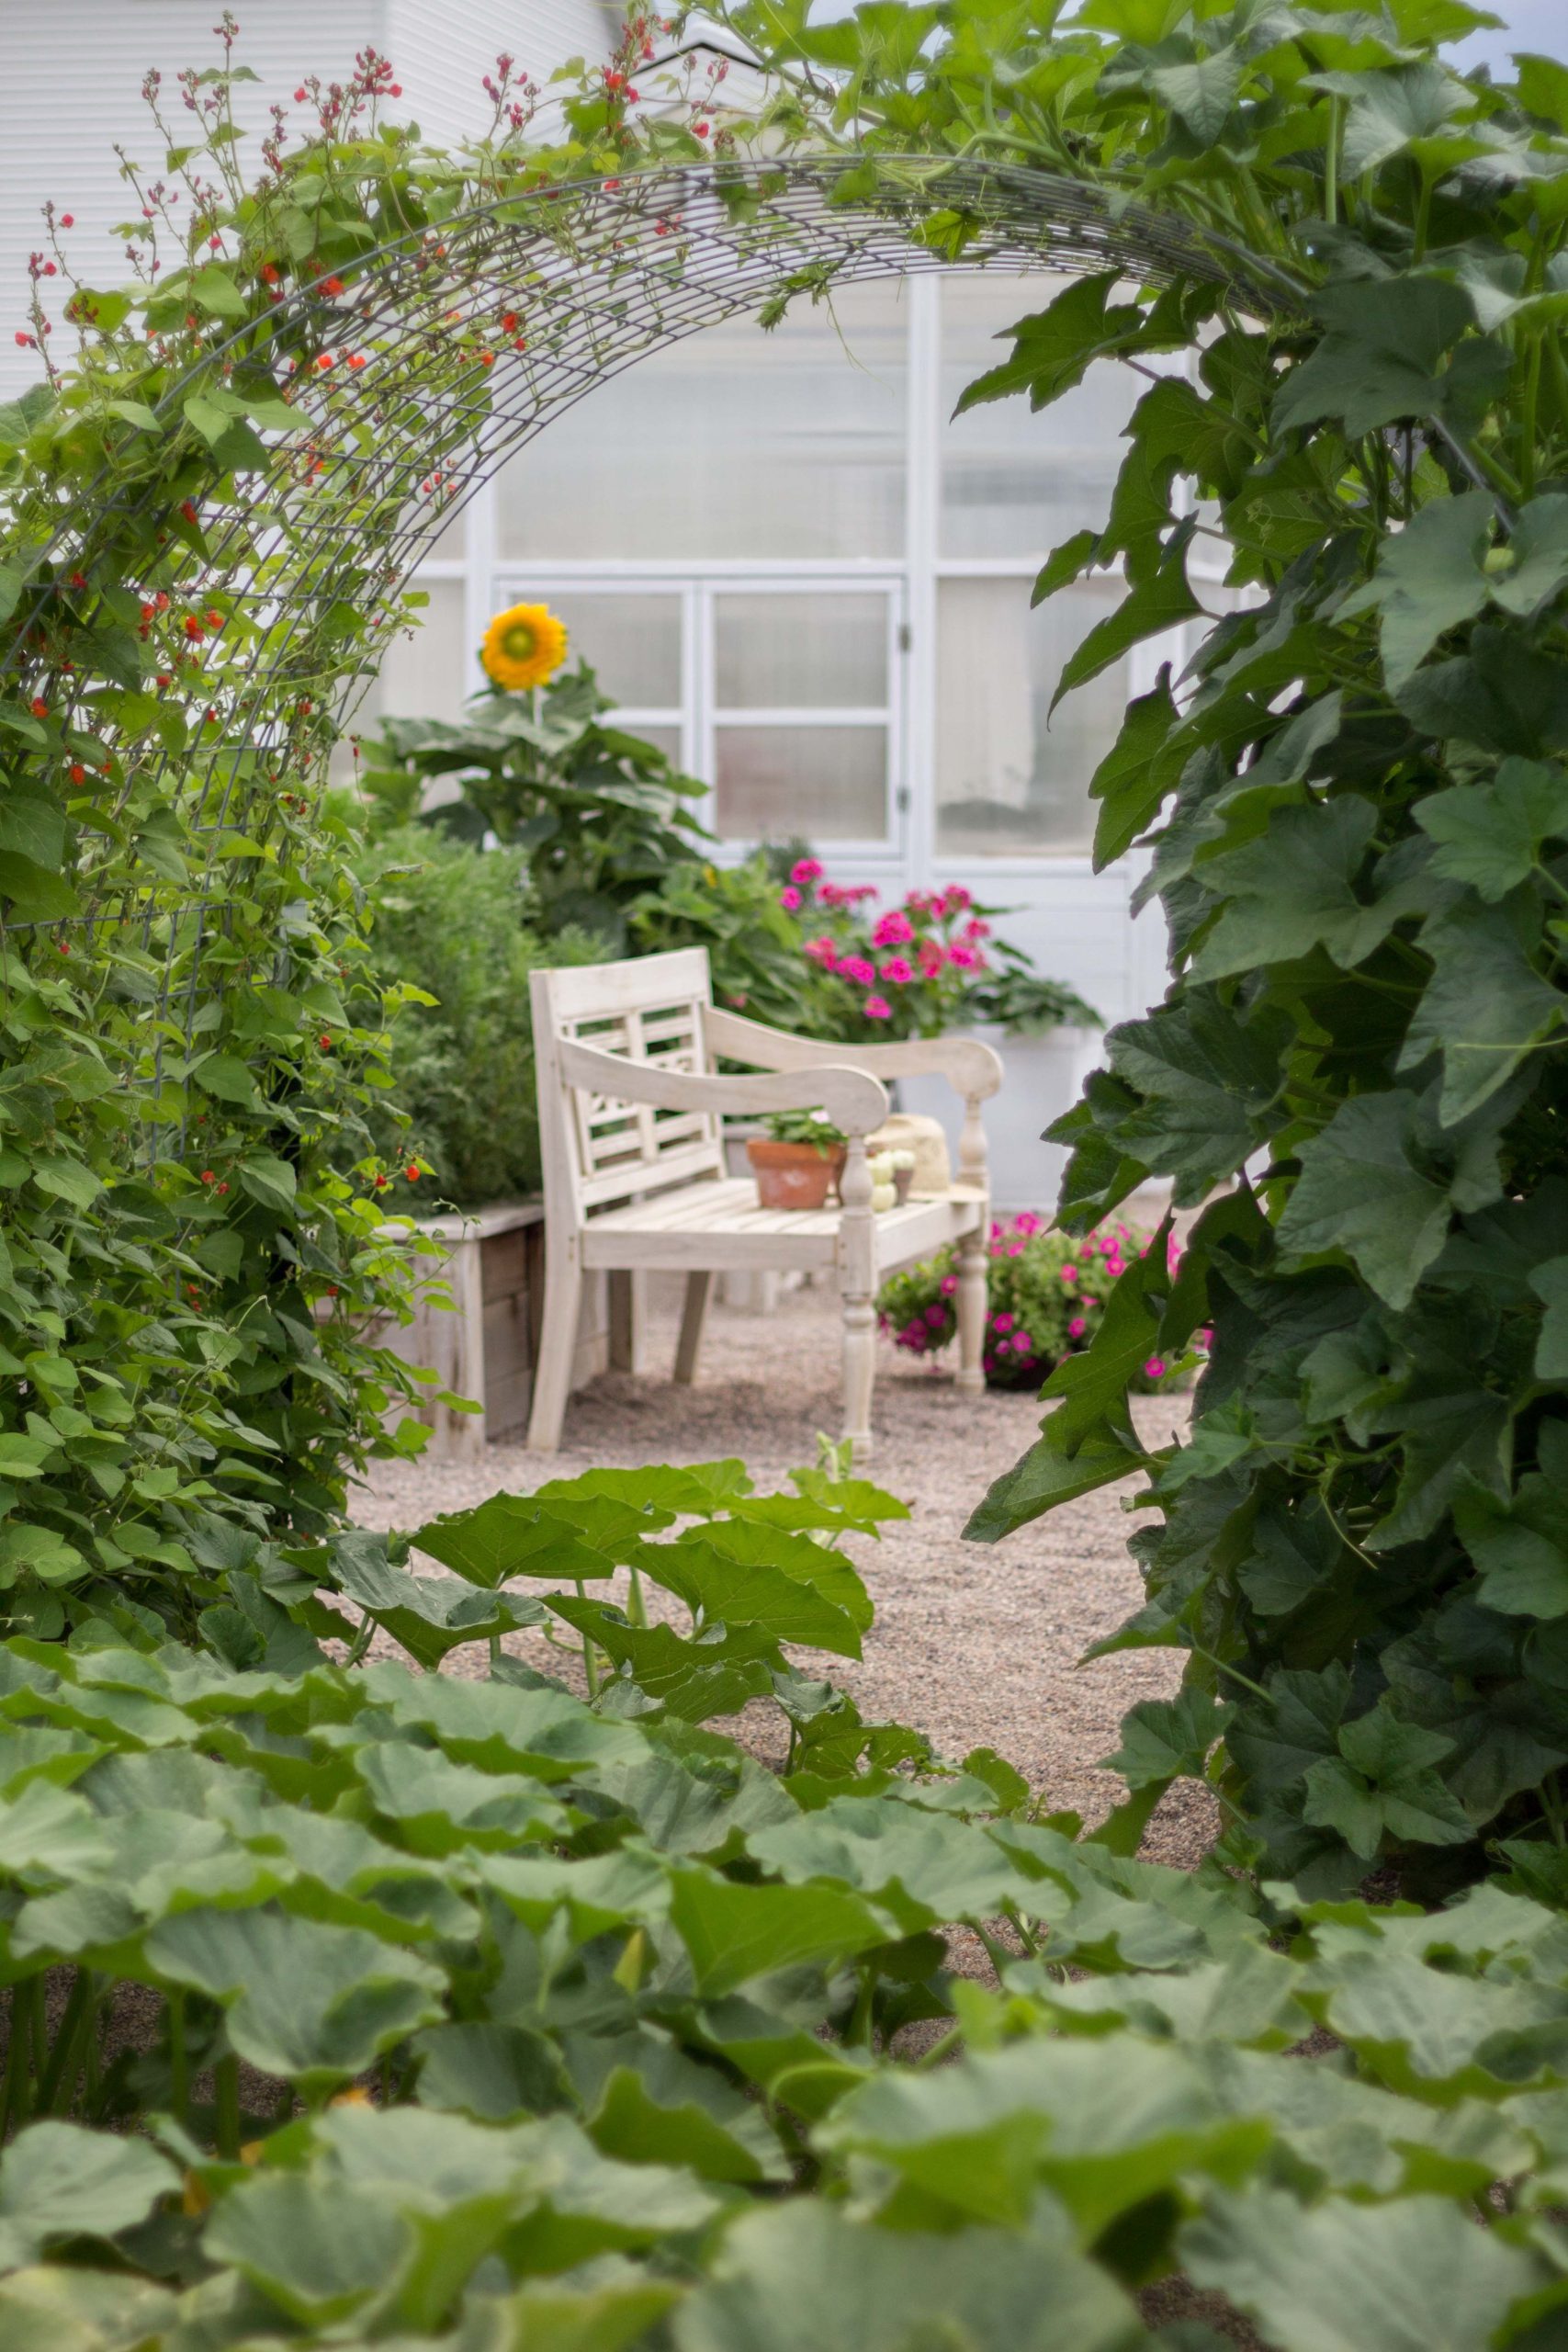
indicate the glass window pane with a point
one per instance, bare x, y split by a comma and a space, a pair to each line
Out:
731, 443
1007, 779
801, 652
633, 642
665, 739
428, 675
828, 784
1014, 482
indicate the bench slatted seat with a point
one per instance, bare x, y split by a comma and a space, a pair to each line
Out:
631, 1116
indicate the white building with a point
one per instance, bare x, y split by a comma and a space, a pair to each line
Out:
787, 564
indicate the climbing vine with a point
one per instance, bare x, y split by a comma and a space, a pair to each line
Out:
1357, 817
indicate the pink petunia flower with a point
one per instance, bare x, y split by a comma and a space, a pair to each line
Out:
1001, 1322
1026, 1222
1069, 1275
936, 1316
949, 1284
1154, 1368
856, 969
1076, 1328
790, 897
893, 930
806, 870
1022, 1344
898, 971
878, 1009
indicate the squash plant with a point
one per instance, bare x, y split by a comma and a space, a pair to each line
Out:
361, 2007
1356, 809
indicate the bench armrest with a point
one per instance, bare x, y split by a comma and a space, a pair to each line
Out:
853, 1100
971, 1068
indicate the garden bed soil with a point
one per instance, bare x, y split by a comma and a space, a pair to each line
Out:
978, 1645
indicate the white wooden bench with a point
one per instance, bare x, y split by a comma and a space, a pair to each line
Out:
630, 1114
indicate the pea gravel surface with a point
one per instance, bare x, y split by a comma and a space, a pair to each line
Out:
976, 1645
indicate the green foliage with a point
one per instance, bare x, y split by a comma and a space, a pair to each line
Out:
1357, 806
814, 1127
599, 814
452, 929
753, 942
1046, 1293
419, 2010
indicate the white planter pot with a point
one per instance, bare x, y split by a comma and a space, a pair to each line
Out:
1043, 1077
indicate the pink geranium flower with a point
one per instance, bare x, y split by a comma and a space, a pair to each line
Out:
898, 970
966, 958
789, 897
822, 951
954, 898
894, 930
856, 969
878, 1009
806, 870
1076, 1328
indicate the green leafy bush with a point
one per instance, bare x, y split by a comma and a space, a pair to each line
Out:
1358, 812
1046, 1295
600, 814
355, 2006
454, 928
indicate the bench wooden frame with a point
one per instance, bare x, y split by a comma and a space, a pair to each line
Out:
630, 1123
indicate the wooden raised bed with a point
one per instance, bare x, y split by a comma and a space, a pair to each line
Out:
485, 1345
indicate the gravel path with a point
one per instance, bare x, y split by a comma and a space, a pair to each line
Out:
976, 1645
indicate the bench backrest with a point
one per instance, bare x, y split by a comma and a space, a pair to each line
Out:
596, 1150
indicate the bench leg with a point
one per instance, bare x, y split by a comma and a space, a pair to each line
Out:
694, 1316
629, 1320
859, 1373
971, 1309
557, 1347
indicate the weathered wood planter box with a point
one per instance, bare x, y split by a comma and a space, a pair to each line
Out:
485, 1345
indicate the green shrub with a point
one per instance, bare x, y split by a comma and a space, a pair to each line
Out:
1047, 1293
452, 923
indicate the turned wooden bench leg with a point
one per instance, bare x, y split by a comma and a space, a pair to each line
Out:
971, 1305
693, 1318
857, 1288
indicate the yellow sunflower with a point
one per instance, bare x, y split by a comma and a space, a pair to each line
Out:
524, 646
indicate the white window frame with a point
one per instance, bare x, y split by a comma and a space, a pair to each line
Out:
699, 719
909, 855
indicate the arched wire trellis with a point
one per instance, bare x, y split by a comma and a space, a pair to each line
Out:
413, 375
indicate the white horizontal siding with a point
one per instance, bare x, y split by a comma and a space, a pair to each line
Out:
71, 75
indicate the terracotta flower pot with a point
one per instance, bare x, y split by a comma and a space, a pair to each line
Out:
792, 1175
